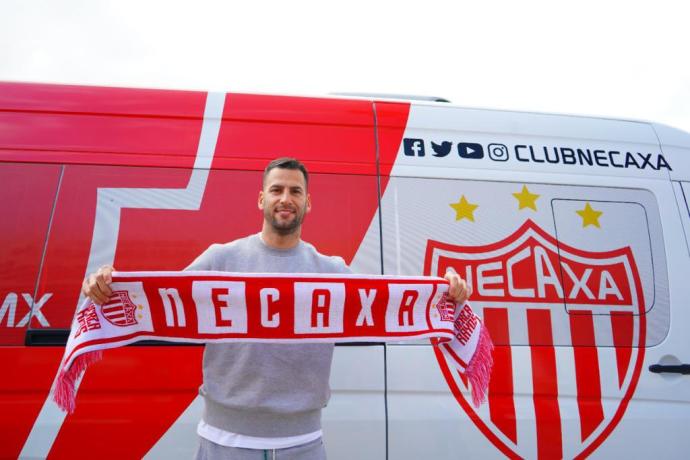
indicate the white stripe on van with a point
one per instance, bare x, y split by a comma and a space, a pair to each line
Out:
180, 440
104, 242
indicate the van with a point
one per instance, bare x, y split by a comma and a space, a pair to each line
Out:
573, 232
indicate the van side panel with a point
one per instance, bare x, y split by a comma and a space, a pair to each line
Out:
135, 152
108, 126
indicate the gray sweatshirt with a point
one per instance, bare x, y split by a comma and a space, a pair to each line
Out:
266, 390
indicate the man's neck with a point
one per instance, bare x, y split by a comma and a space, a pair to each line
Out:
275, 240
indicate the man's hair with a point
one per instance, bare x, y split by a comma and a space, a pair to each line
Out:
286, 163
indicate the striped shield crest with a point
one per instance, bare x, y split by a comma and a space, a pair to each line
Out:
569, 330
120, 310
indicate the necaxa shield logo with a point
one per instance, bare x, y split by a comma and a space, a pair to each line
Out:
524, 282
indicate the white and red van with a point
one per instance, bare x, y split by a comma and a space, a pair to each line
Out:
573, 231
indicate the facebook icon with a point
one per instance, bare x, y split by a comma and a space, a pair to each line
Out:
414, 147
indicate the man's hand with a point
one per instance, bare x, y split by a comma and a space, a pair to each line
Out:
458, 291
97, 285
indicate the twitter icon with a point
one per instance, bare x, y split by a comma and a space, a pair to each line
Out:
442, 149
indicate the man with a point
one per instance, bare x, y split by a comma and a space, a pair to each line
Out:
265, 400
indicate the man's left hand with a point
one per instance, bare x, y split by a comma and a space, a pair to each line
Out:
458, 291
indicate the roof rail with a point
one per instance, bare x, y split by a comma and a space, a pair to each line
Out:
407, 97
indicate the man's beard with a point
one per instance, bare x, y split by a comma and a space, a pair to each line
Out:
284, 228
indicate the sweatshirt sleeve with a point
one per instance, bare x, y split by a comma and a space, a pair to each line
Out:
205, 260
340, 265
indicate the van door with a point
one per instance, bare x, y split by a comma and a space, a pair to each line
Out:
514, 203
682, 190
27, 197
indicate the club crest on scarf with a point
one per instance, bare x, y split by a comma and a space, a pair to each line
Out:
446, 309
120, 310
560, 304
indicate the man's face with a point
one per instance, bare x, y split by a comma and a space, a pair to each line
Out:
284, 200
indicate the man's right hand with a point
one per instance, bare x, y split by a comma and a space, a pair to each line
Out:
97, 285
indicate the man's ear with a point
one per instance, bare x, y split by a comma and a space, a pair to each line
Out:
260, 202
308, 202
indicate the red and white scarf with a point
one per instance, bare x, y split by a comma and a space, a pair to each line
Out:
221, 307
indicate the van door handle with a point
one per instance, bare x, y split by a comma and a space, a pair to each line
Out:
670, 368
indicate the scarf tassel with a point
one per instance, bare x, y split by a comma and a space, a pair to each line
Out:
66, 384
479, 368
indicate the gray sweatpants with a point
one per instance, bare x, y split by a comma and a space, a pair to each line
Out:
208, 450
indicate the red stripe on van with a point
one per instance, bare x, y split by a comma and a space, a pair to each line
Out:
622, 325
391, 121
92, 125
501, 398
126, 403
545, 384
27, 376
586, 373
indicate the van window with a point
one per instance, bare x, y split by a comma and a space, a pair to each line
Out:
621, 273
537, 255
27, 195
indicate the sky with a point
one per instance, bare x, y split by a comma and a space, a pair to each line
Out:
621, 59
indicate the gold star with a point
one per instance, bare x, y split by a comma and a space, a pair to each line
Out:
464, 209
590, 216
526, 199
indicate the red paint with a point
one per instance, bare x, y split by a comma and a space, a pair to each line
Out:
501, 402
622, 326
391, 121
110, 126
587, 376
33, 97
27, 192
642, 318
545, 384
133, 395
328, 135
28, 374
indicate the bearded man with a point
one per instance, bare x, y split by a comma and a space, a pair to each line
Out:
264, 400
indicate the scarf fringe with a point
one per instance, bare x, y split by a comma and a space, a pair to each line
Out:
479, 368
64, 394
